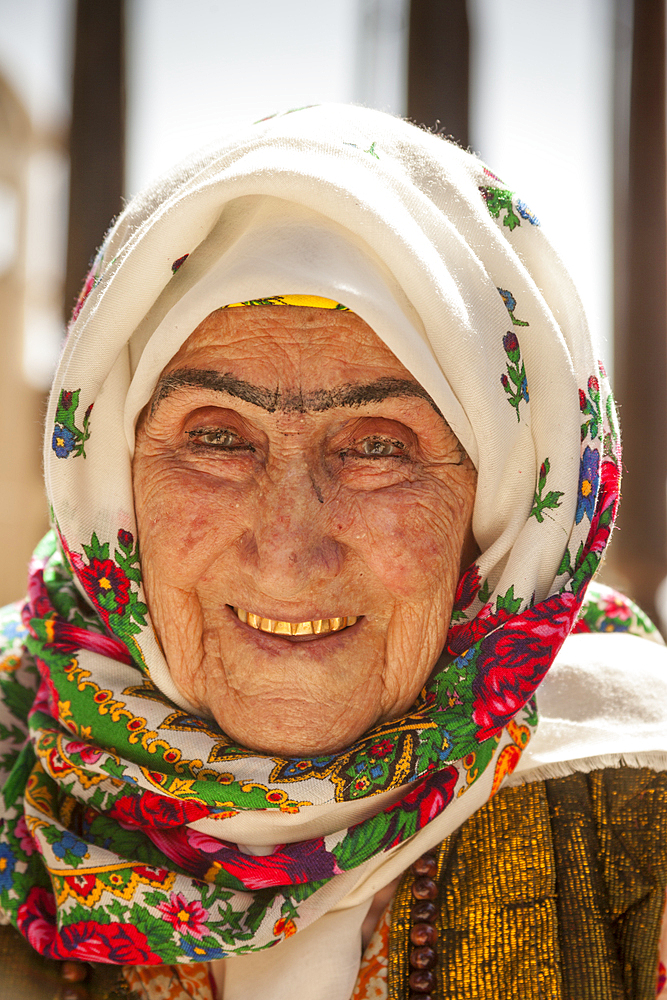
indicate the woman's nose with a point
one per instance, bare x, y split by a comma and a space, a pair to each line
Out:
289, 546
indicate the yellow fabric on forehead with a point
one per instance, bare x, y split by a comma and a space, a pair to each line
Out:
313, 301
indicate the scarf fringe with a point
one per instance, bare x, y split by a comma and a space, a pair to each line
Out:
656, 760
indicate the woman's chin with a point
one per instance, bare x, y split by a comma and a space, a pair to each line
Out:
293, 732
287, 699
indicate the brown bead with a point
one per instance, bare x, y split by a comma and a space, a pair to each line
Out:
422, 934
424, 888
422, 958
423, 911
419, 996
422, 981
426, 865
74, 972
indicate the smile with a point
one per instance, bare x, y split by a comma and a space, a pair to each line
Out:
320, 626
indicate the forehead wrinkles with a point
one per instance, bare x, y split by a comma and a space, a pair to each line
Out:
292, 330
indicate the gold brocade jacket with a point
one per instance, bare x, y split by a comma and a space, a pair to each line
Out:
554, 890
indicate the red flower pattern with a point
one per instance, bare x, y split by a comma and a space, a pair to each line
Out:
290, 864
148, 809
126, 538
106, 585
607, 501
85, 941
88, 286
427, 799
467, 589
186, 917
38, 611
513, 660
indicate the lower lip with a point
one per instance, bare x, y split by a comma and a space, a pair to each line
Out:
280, 639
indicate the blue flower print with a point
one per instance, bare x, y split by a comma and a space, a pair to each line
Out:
14, 630
465, 658
68, 842
7, 865
588, 484
201, 953
510, 305
526, 213
63, 441
508, 299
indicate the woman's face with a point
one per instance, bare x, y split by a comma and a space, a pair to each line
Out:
291, 474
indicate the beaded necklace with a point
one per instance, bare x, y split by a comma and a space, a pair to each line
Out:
423, 933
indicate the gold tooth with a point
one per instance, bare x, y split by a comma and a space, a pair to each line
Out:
315, 627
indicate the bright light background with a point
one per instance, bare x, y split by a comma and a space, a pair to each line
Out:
541, 114
541, 95
193, 78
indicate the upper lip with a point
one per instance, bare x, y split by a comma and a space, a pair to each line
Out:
292, 616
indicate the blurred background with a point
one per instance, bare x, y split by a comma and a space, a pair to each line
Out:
564, 99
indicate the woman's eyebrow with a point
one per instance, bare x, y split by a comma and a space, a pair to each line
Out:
271, 400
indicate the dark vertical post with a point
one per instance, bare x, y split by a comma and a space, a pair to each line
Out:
96, 135
438, 66
641, 306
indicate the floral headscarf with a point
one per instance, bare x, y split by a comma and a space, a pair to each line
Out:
122, 809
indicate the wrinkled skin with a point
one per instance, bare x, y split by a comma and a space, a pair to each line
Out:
297, 504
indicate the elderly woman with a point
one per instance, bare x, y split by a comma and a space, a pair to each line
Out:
331, 465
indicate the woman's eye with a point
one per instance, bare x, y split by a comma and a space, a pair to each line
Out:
380, 448
221, 438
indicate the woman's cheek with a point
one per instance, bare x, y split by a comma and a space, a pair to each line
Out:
185, 527
412, 546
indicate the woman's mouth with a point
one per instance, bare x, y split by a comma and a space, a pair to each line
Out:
319, 626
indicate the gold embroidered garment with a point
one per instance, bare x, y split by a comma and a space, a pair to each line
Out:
553, 890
